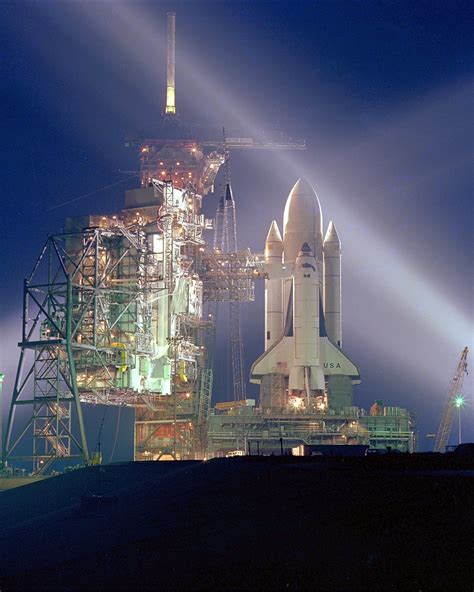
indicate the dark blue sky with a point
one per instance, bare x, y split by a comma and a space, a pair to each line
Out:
382, 92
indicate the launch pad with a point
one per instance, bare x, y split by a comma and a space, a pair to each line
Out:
250, 429
121, 310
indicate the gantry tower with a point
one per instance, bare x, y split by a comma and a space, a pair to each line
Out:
113, 309
230, 246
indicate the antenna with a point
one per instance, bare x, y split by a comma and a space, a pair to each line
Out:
227, 178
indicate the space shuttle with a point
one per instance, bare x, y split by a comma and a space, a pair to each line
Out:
303, 338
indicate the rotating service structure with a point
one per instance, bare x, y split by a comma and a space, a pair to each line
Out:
113, 309
113, 316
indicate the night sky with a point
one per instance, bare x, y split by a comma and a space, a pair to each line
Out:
382, 93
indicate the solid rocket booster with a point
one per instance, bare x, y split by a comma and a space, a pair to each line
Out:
306, 373
332, 285
273, 286
170, 70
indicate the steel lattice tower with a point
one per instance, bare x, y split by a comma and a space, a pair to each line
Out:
229, 228
235, 330
446, 423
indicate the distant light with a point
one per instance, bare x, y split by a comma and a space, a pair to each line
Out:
296, 402
170, 101
459, 401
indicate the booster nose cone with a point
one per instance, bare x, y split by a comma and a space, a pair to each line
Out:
302, 221
274, 242
331, 234
332, 238
274, 235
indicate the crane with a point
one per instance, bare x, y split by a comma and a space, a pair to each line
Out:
454, 389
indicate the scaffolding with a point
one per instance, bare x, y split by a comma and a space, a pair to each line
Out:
232, 428
113, 309
112, 315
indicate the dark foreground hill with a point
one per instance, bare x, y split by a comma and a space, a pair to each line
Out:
244, 523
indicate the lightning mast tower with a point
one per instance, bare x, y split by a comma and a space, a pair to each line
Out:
225, 243
235, 330
170, 108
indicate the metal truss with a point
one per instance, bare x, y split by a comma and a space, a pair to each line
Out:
454, 390
86, 315
175, 426
230, 277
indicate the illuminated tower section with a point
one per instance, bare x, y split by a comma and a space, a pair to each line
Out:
170, 78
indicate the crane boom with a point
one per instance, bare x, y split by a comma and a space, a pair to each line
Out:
446, 423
